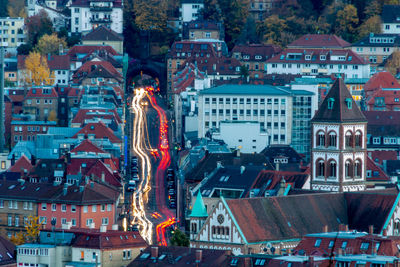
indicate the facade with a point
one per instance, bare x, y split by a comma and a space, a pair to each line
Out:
383, 99
41, 102
265, 104
260, 9
89, 14
390, 19
58, 18
376, 48
190, 9
338, 146
28, 130
12, 33
383, 133
104, 36
339, 62
199, 29
254, 57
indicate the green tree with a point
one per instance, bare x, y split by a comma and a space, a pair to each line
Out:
271, 29
372, 9
179, 238
3, 11
244, 72
347, 22
393, 63
371, 25
24, 49
150, 14
37, 26
50, 44
211, 11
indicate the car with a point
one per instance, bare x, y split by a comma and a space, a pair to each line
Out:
134, 227
134, 170
134, 161
172, 205
171, 186
170, 171
135, 177
131, 186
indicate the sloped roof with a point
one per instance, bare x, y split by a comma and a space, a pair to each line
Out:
263, 51
109, 240
23, 163
377, 174
61, 62
278, 218
7, 252
340, 111
87, 146
88, 49
319, 40
36, 91
100, 130
99, 169
390, 13
382, 79
199, 209
97, 69
102, 33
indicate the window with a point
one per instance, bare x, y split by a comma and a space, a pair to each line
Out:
63, 221
348, 169
317, 243
321, 139
1, 203
9, 220
321, 168
104, 221
73, 208
332, 169
331, 101
332, 139
331, 243
53, 207
349, 139
82, 255
64, 208
73, 221
349, 103
44, 206
94, 208
344, 244
85, 209
376, 140
364, 246
357, 168
358, 139
43, 219
89, 222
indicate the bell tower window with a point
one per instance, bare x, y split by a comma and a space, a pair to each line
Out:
331, 101
321, 138
357, 168
348, 169
332, 139
349, 103
332, 169
358, 139
349, 139
321, 168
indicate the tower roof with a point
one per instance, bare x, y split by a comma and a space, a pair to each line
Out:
199, 209
339, 106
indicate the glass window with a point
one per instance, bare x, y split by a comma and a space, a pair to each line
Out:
94, 208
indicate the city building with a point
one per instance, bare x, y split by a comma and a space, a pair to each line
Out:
338, 146
322, 41
254, 57
89, 14
12, 33
384, 99
58, 18
79, 54
202, 29
190, 10
95, 72
263, 104
104, 36
390, 19
10, 71
339, 62
379, 80
260, 9
383, 131
41, 101
22, 130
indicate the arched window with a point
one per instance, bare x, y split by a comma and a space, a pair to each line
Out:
349, 139
332, 139
348, 168
358, 138
194, 228
332, 169
227, 230
222, 230
320, 138
218, 230
357, 168
321, 168
213, 230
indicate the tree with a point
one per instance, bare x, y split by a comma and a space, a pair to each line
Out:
249, 32
16, 8
3, 11
37, 26
244, 72
18, 239
393, 63
372, 9
271, 29
150, 14
52, 116
37, 71
49, 44
32, 227
371, 25
179, 238
211, 11
347, 22
24, 49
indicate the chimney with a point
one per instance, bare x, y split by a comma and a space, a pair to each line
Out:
154, 252
384, 232
91, 184
33, 160
371, 229
242, 169
346, 227
13, 160
340, 252
238, 153
341, 227
65, 189
325, 229
199, 255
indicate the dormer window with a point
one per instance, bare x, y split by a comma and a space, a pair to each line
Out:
330, 103
349, 103
349, 58
246, 57
322, 57
308, 57
258, 57
282, 57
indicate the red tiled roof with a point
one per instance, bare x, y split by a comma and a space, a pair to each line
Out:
392, 97
381, 80
100, 130
377, 174
380, 155
87, 146
193, 47
109, 240
382, 117
102, 33
350, 56
99, 66
59, 62
266, 51
88, 49
23, 163
35, 92
75, 92
81, 165
223, 65
21, 61
185, 78
319, 40
98, 169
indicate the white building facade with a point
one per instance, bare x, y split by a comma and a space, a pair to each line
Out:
95, 13
269, 106
190, 9
344, 63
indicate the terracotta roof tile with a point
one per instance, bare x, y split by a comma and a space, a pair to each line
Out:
22, 164
87, 146
319, 40
89, 49
265, 51
100, 131
35, 92
109, 240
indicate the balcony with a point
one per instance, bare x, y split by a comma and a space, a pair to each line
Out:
101, 8
100, 20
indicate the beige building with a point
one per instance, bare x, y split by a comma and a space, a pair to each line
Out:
12, 32
104, 36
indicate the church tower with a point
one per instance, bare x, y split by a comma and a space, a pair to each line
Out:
338, 143
198, 216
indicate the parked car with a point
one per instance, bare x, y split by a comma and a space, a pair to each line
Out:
131, 186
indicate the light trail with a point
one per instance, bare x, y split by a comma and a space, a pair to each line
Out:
140, 195
160, 230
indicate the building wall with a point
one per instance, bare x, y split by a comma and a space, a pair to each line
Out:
40, 106
195, 34
392, 28
88, 255
81, 19
8, 209
12, 32
28, 132
115, 258
24, 256
117, 45
190, 11
272, 112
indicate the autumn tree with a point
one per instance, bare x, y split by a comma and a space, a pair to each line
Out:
52, 116
150, 14
32, 228
18, 239
393, 63
347, 22
37, 71
49, 44
37, 26
371, 25
271, 29
211, 11
16, 8
372, 9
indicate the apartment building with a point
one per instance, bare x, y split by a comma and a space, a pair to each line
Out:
390, 19
41, 101
28, 130
340, 62
89, 14
269, 106
190, 9
12, 31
